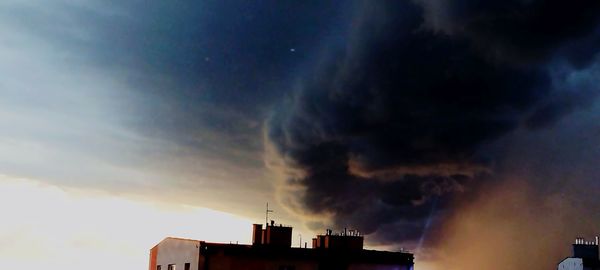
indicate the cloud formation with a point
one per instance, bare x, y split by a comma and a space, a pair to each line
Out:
144, 97
390, 131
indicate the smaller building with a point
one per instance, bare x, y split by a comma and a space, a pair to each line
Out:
585, 256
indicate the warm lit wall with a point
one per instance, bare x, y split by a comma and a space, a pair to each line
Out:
153, 257
178, 252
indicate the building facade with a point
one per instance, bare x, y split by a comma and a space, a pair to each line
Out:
585, 256
271, 250
175, 254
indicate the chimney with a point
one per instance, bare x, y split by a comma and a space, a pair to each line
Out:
257, 232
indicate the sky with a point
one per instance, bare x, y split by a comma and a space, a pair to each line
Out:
467, 132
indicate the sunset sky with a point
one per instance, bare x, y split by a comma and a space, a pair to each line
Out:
465, 131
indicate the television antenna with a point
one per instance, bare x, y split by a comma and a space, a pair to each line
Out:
267, 214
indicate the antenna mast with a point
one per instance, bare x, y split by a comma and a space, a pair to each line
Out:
267, 215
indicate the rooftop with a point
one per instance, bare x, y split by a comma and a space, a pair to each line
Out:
265, 251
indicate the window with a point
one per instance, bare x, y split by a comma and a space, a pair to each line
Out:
158, 267
171, 267
187, 266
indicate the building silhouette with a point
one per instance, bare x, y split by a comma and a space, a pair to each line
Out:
585, 256
271, 250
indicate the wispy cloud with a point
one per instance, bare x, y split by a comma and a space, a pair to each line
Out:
78, 109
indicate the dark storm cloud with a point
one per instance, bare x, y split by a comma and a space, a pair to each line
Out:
520, 30
396, 121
